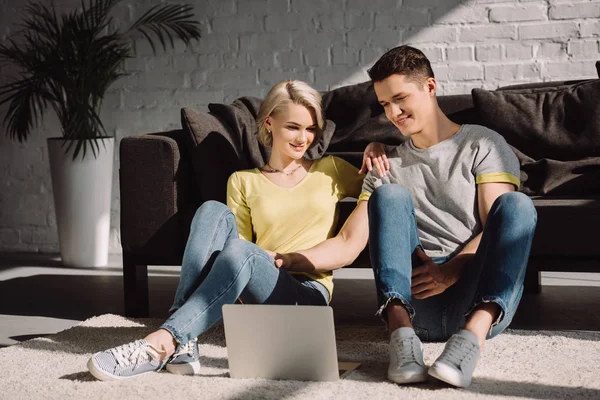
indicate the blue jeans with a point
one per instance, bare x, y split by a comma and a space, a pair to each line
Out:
495, 274
218, 268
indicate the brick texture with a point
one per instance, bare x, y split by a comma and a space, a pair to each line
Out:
248, 45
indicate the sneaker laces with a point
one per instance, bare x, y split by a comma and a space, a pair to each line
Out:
405, 350
454, 351
134, 353
187, 348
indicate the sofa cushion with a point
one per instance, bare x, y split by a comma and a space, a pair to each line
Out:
555, 132
212, 153
235, 122
543, 85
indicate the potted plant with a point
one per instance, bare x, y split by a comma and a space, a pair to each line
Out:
68, 62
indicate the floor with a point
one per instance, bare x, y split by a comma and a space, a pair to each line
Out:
40, 297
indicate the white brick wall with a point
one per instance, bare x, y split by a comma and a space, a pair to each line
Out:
248, 45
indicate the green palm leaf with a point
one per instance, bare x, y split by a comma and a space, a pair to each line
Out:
27, 99
167, 21
69, 61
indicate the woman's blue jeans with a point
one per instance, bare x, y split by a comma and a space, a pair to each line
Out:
495, 274
218, 268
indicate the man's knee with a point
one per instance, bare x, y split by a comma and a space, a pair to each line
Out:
516, 204
391, 194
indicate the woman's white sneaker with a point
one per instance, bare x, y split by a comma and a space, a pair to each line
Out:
186, 360
125, 361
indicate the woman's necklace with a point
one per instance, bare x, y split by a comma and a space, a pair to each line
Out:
271, 169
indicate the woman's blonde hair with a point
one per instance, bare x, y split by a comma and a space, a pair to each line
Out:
297, 92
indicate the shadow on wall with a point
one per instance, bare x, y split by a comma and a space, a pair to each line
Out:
412, 23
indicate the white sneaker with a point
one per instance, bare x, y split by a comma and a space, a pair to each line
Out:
406, 357
186, 360
125, 361
458, 360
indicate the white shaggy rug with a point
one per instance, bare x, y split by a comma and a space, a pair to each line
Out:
515, 365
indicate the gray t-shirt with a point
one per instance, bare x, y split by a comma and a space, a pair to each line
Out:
442, 180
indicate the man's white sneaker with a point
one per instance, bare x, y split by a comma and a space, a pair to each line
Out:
458, 360
406, 357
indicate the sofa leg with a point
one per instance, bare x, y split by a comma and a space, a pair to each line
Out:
532, 284
135, 288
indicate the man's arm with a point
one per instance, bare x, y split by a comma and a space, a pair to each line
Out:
487, 193
333, 253
429, 280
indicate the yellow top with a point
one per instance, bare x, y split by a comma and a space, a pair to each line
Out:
286, 220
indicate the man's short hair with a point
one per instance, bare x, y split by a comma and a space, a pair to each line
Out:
402, 60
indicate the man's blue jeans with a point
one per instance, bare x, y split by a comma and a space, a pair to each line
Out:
218, 268
495, 274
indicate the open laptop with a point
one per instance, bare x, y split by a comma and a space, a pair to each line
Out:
282, 342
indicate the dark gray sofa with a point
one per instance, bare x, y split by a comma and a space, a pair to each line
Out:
553, 127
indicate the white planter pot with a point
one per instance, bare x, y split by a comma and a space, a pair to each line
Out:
82, 194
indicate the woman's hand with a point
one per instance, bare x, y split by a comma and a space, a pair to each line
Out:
279, 259
429, 278
374, 155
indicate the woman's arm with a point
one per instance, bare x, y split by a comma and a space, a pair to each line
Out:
333, 253
236, 201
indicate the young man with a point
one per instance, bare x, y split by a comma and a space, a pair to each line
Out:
449, 235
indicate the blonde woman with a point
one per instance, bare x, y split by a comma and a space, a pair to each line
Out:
251, 248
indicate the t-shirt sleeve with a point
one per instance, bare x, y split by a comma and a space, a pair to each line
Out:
236, 201
370, 183
349, 181
496, 162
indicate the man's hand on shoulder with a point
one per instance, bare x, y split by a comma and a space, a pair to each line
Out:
429, 279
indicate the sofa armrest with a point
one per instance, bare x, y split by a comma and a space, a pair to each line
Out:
156, 190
